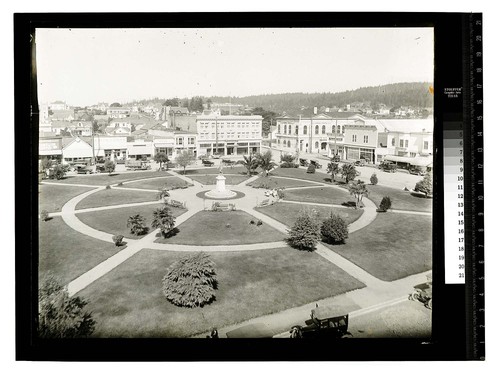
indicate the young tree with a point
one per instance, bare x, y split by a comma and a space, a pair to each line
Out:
136, 225
161, 158
305, 232
333, 169
265, 162
359, 190
59, 315
109, 166
425, 185
385, 204
184, 159
249, 162
164, 220
163, 193
334, 229
348, 171
191, 281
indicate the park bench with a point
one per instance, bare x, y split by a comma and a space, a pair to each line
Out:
220, 206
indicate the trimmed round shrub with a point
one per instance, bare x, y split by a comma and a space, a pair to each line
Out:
311, 169
191, 281
385, 204
117, 239
305, 232
374, 179
334, 229
44, 215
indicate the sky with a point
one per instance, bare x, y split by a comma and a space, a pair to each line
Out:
87, 66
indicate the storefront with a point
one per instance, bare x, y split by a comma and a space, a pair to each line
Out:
50, 148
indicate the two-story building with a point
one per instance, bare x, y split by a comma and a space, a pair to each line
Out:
228, 134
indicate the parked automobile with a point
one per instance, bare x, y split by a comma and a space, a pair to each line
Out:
388, 166
326, 321
84, 169
316, 164
422, 293
360, 163
207, 163
303, 162
137, 165
416, 170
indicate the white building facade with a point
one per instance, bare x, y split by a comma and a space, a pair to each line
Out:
228, 135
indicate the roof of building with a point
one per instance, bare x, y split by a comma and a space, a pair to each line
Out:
58, 113
408, 125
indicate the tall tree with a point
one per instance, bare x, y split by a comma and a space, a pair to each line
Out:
333, 168
164, 220
359, 190
184, 159
349, 172
161, 157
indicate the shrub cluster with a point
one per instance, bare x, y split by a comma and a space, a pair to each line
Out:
191, 281
311, 169
108, 187
137, 226
334, 229
289, 165
305, 232
374, 179
385, 204
117, 239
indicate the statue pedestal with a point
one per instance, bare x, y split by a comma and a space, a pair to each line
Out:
220, 191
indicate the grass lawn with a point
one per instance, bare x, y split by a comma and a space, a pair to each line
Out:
287, 213
103, 179
276, 182
210, 179
209, 228
111, 197
302, 174
250, 284
158, 183
393, 246
327, 195
53, 197
68, 253
401, 200
115, 221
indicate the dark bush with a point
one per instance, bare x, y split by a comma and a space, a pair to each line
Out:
311, 169
137, 226
259, 222
287, 158
108, 187
252, 222
289, 165
191, 281
120, 184
374, 179
117, 239
385, 204
334, 229
305, 232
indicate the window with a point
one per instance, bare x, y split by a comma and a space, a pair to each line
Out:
342, 129
413, 154
279, 128
426, 145
191, 141
406, 143
365, 139
288, 143
316, 145
305, 130
333, 129
289, 130
323, 129
400, 143
354, 138
296, 129
316, 130
393, 141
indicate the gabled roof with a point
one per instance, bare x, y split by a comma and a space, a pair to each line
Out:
67, 141
408, 125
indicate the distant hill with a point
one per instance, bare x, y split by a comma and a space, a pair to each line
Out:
415, 94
